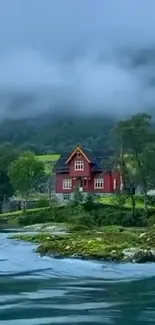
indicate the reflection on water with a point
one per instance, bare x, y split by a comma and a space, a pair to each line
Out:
40, 291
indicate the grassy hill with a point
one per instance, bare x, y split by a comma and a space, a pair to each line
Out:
48, 158
49, 161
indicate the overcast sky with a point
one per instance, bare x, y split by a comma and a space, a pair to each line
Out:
81, 55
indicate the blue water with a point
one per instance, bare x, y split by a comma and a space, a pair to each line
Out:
41, 291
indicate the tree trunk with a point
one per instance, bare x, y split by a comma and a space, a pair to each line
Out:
24, 205
145, 202
133, 204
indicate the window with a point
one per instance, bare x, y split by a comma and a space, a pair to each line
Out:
79, 165
67, 184
98, 183
66, 197
114, 184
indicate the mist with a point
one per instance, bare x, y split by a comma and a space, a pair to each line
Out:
76, 56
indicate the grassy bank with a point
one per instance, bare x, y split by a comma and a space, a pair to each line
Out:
139, 201
94, 231
88, 214
108, 243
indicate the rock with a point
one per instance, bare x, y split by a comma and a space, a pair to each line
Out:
129, 252
113, 252
144, 256
138, 255
46, 227
142, 235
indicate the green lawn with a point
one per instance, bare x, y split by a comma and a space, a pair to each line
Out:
48, 158
18, 212
35, 196
109, 200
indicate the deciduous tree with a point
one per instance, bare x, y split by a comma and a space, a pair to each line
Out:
26, 174
138, 142
7, 155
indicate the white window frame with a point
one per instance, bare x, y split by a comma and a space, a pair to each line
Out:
114, 184
98, 183
67, 184
79, 165
66, 197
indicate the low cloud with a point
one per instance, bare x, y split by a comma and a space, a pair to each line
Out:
85, 57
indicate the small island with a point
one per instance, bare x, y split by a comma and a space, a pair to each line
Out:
106, 244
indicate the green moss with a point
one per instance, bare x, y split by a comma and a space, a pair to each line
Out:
38, 238
108, 245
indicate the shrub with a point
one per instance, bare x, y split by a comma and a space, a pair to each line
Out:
41, 203
30, 218
139, 198
107, 217
79, 228
151, 220
151, 200
139, 220
55, 214
84, 219
78, 198
89, 202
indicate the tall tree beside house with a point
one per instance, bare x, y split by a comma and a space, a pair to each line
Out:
138, 143
26, 174
7, 155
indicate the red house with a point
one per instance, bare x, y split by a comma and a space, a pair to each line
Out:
84, 170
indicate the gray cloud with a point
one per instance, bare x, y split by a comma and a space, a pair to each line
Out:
88, 56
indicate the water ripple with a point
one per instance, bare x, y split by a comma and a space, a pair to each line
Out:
41, 291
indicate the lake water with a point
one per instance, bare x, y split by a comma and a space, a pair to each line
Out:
41, 291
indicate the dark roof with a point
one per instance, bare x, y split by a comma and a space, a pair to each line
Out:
101, 161
61, 166
89, 153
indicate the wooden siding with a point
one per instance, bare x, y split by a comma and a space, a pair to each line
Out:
108, 178
86, 172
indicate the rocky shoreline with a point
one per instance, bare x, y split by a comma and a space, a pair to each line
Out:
107, 244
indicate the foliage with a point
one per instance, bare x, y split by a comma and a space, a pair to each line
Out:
78, 198
119, 200
42, 203
7, 155
137, 141
77, 216
55, 134
26, 174
151, 200
89, 202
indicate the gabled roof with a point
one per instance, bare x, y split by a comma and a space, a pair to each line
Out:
101, 161
85, 152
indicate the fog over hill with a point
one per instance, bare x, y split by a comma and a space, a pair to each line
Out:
78, 56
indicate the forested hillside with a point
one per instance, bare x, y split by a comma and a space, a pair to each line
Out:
48, 134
